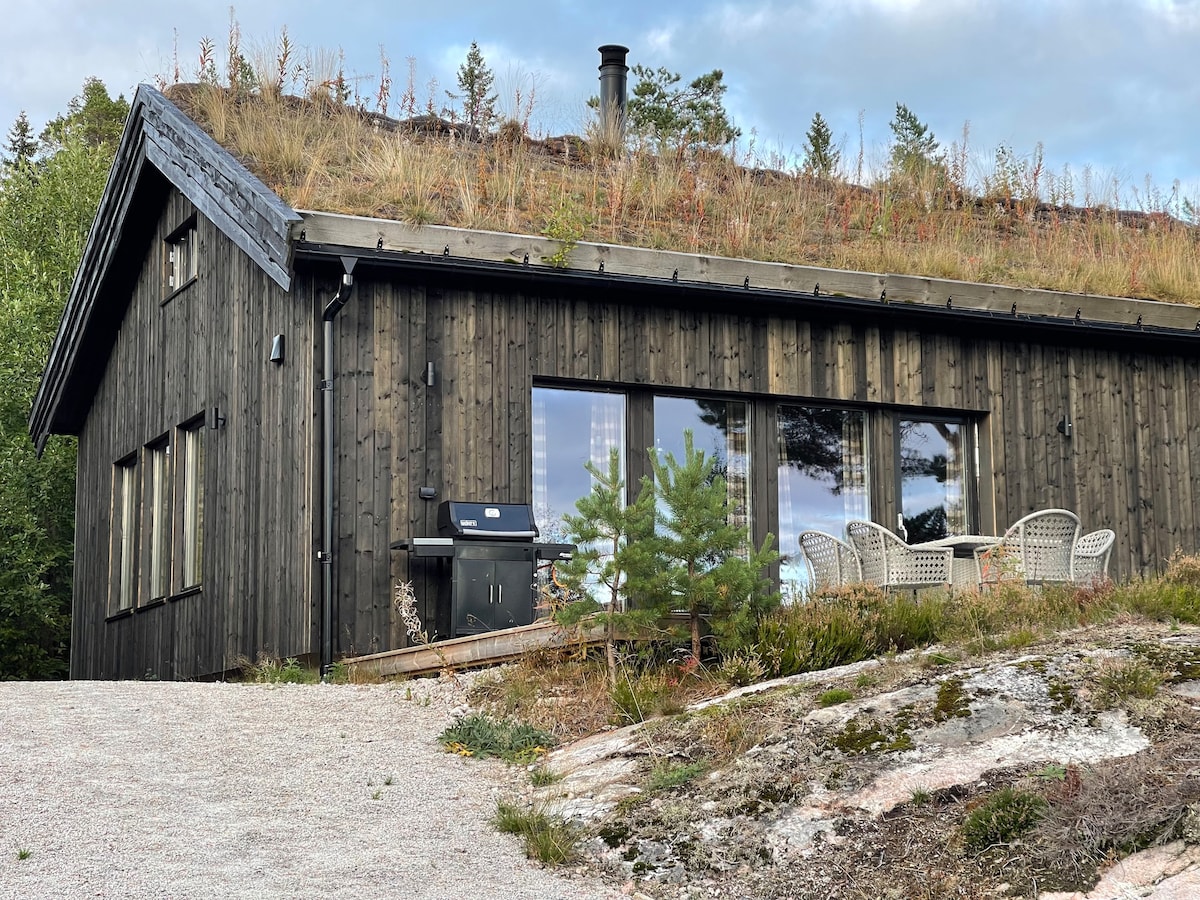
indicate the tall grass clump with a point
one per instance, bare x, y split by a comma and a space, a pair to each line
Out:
548, 839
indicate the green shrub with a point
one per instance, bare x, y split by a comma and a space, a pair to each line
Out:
483, 736
1007, 814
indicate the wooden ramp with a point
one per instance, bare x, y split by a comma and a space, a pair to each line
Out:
477, 649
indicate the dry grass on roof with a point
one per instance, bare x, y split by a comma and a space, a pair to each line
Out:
320, 155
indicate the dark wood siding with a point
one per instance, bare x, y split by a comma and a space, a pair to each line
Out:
207, 348
1126, 465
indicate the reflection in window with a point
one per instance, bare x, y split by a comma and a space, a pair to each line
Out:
124, 535
822, 481
933, 489
191, 448
158, 511
720, 428
570, 428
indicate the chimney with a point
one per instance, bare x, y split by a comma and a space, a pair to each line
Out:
613, 73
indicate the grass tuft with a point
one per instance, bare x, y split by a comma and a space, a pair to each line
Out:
1001, 818
548, 839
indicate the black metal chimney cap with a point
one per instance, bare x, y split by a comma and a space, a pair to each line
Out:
613, 55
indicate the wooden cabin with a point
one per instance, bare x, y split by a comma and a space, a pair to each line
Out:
267, 399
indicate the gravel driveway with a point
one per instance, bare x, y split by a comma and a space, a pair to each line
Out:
183, 790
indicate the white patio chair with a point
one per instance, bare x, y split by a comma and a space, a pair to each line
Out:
889, 562
1089, 561
831, 562
1036, 549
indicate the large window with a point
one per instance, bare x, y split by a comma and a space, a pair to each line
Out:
721, 429
932, 468
122, 578
823, 476
190, 469
570, 428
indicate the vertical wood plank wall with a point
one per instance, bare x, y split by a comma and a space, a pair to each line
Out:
1127, 465
207, 347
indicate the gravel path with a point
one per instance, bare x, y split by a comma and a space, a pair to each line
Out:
182, 790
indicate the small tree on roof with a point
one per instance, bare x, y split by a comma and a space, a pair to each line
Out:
475, 83
692, 116
821, 158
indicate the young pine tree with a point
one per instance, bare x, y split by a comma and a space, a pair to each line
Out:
615, 556
913, 145
475, 83
704, 569
821, 158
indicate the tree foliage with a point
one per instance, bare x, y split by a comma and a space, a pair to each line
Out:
710, 567
46, 209
691, 116
615, 564
821, 157
914, 149
475, 84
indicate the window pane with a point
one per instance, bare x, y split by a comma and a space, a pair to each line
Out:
124, 536
822, 481
721, 429
160, 521
193, 505
570, 428
933, 489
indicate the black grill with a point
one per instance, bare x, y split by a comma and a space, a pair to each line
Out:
485, 565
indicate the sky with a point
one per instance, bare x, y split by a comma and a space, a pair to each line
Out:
1107, 87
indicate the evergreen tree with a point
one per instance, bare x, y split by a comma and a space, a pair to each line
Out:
475, 82
93, 117
615, 557
46, 211
692, 116
705, 572
22, 145
821, 158
913, 145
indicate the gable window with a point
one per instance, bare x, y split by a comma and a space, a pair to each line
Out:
122, 580
181, 257
157, 494
190, 471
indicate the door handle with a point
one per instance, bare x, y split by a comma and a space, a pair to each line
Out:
490, 589
501, 594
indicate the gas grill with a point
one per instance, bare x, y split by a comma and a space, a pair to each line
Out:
485, 560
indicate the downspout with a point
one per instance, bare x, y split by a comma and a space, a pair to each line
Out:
326, 554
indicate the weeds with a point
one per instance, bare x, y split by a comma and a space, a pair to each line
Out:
23, 853
482, 736
667, 776
1119, 681
547, 839
276, 671
835, 696
1005, 815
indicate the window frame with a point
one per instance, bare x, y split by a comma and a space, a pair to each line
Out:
124, 537
181, 251
156, 520
188, 489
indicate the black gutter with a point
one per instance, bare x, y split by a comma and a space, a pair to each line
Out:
977, 323
325, 556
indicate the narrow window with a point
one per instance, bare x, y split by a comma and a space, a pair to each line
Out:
158, 519
181, 257
123, 585
190, 463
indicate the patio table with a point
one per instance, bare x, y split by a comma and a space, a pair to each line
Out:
964, 570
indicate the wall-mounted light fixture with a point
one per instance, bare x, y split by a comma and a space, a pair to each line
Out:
215, 419
277, 349
1064, 427
427, 493
430, 375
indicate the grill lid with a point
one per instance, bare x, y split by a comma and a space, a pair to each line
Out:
486, 521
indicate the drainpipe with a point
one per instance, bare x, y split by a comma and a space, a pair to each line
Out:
326, 554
